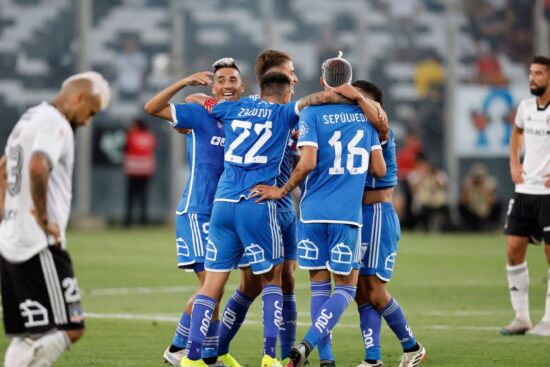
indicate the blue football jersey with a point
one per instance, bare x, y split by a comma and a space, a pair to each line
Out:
256, 134
285, 204
332, 192
390, 179
205, 156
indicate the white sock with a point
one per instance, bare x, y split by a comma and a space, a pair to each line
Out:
546, 317
49, 348
518, 285
19, 353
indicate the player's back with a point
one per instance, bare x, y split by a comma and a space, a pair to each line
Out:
332, 191
41, 129
256, 135
390, 179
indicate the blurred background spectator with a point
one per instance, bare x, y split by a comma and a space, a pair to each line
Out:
139, 167
131, 70
479, 205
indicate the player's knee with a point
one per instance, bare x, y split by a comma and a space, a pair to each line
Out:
361, 298
288, 280
75, 335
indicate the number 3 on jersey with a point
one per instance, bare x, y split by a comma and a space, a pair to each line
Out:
353, 150
250, 156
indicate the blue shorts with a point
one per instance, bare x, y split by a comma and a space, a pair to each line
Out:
288, 224
331, 246
191, 239
381, 232
244, 228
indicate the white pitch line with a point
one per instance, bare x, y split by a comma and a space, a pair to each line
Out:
192, 288
166, 318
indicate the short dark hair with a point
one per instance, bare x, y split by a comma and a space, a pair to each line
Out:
371, 88
226, 62
269, 59
542, 60
274, 84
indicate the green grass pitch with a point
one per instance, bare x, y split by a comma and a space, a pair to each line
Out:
451, 287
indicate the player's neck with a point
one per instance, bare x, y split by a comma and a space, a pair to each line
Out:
272, 99
544, 100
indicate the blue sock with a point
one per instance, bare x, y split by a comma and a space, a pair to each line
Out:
320, 293
201, 317
182, 331
232, 318
370, 323
272, 315
330, 313
287, 334
394, 316
210, 345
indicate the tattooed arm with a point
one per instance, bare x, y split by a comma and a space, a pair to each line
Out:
39, 169
322, 98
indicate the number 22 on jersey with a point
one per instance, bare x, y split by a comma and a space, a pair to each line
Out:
261, 130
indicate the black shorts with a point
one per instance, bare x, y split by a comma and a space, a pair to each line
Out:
40, 294
529, 216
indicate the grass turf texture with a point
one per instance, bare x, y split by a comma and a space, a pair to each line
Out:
451, 287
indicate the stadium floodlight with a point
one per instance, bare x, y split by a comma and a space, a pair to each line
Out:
336, 71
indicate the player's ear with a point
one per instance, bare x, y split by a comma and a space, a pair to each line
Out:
241, 88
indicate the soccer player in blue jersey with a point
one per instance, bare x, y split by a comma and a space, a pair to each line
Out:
379, 235
337, 146
205, 144
250, 287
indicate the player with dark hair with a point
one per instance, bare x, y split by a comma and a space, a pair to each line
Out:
379, 237
40, 295
529, 209
205, 148
336, 143
249, 287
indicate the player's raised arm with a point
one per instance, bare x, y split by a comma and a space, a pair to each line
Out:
372, 109
3, 183
159, 105
322, 98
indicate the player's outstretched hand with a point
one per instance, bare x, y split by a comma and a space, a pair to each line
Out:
266, 192
547, 180
200, 78
348, 91
51, 228
517, 172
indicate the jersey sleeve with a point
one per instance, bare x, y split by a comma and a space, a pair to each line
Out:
374, 139
519, 116
292, 114
307, 132
220, 110
188, 115
50, 139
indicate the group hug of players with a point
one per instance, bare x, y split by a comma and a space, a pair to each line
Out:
246, 156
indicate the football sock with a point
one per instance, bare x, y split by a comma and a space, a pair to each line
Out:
329, 313
210, 345
19, 353
201, 316
272, 308
320, 293
182, 333
395, 318
370, 323
546, 317
287, 334
49, 348
232, 319
518, 285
